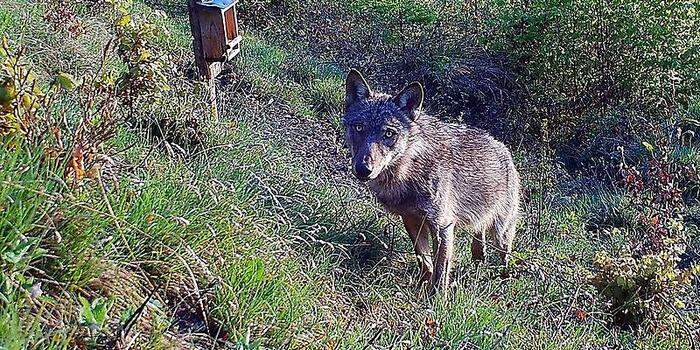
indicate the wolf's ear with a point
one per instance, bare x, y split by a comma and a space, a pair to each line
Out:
356, 88
410, 99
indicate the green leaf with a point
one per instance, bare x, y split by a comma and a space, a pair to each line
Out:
86, 311
12, 258
7, 90
144, 56
124, 21
99, 310
648, 146
16, 255
66, 81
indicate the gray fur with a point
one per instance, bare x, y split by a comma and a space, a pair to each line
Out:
435, 175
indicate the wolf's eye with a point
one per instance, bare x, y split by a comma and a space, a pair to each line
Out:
358, 127
389, 134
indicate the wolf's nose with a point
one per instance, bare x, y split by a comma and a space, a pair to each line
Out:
362, 171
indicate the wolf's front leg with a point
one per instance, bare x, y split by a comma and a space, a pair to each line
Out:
443, 255
418, 230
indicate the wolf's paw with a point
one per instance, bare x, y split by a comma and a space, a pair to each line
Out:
424, 285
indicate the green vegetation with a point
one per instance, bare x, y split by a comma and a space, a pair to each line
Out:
389, 11
7, 20
588, 65
126, 222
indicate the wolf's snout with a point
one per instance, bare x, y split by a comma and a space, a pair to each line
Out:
363, 170
363, 166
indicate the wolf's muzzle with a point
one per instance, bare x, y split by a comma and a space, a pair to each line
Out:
362, 171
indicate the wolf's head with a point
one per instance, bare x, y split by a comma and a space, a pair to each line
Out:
377, 125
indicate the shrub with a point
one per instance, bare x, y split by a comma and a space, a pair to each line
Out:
579, 59
643, 281
52, 129
30, 118
641, 288
656, 188
387, 11
144, 76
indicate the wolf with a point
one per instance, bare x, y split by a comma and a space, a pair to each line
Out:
436, 176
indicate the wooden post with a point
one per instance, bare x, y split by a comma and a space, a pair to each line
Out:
216, 39
208, 71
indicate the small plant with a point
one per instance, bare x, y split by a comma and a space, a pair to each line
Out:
144, 78
656, 192
640, 288
94, 314
29, 112
643, 281
30, 118
21, 98
21, 251
326, 93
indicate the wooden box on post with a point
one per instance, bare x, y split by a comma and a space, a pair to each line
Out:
215, 31
216, 39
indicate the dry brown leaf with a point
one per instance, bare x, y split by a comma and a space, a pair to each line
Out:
431, 327
76, 163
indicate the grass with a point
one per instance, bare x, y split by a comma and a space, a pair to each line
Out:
8, 20
258, 244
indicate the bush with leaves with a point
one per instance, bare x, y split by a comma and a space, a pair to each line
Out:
645, 287
581, 59
33, 119
644, 281
53, 129
72, 136
27, 111
144, 78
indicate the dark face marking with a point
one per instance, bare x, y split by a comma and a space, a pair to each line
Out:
377, 126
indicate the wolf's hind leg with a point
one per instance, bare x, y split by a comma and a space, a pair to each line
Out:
508, 236
502, 234
478, 245
419, 232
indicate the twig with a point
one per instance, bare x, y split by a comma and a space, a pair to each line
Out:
376, 335
124, 332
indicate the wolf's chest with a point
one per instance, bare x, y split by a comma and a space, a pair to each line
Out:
401, 199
